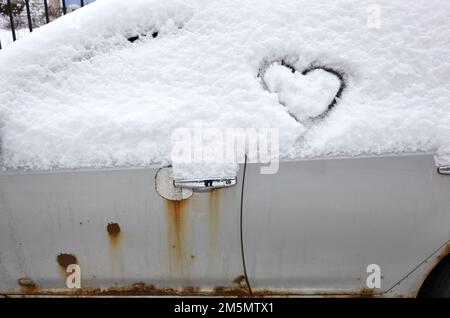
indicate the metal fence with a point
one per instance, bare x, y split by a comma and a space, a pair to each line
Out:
28, 14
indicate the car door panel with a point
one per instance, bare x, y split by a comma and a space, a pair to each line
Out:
125, 237
315, 225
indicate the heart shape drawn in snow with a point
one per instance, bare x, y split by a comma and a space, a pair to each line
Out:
308, 95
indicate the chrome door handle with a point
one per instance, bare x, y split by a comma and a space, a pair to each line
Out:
204, 185
445, 170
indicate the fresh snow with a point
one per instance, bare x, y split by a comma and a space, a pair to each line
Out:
6, 36
76, 93
305, 96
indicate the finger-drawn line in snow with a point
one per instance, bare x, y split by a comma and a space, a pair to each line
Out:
312, 67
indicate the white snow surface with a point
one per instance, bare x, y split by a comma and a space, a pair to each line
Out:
6, 35
76, 93
305, 96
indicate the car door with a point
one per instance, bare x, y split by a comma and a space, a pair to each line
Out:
315, 226
126, 238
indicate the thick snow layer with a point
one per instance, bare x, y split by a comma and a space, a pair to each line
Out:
6, 36
305, 96
77, 93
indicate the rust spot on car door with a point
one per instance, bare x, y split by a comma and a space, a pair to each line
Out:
240, 280
213, 235
27, 286
115, 250
113, 232
176, 212
64, 260
214, 207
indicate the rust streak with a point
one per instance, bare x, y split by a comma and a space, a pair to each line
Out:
114, 232
115, 250
176, 215
240, 281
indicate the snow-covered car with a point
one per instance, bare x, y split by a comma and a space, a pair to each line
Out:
356, 96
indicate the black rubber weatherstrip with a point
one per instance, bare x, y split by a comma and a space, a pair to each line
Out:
241, 228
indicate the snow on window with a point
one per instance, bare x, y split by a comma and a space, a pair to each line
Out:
79, 93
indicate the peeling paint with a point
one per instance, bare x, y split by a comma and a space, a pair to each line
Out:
145, 289
115, 248
27, 285
65, 260
114, 232
113, 229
